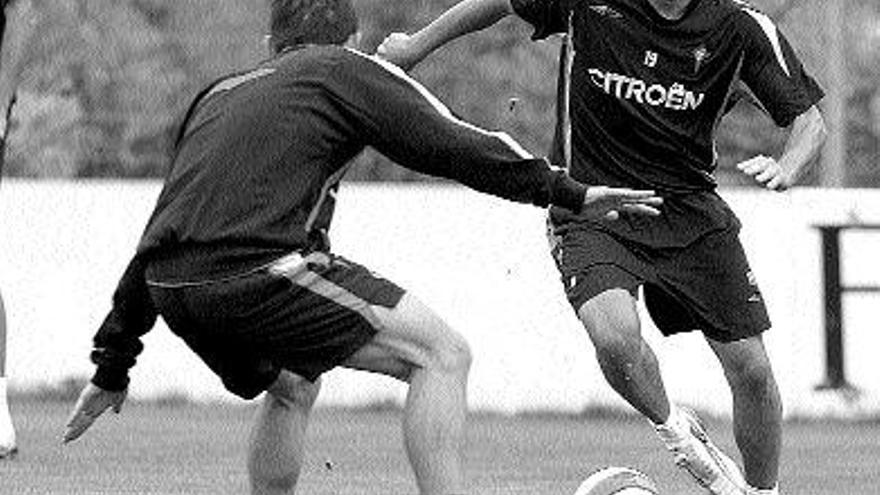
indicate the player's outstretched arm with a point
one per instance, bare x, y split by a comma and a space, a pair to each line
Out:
403, 120
465, 17
806, 136
92, 402
117, 344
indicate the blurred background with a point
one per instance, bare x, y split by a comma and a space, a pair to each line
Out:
110, 81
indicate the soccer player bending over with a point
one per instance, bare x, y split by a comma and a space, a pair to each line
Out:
17, 23
643, 87
236, 256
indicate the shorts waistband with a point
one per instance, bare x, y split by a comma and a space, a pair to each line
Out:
200, 265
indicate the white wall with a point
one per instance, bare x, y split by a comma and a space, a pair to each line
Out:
479, 261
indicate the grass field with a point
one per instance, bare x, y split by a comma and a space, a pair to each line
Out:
199, 449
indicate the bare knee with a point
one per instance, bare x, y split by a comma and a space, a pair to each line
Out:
451, 354
451, 358
293, 391
613, 327
747, 368
752, 376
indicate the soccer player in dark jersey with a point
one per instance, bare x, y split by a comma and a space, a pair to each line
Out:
643, 85
236, 255
17, 22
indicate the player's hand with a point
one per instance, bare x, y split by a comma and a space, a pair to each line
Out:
608, 202
400, 50
92, 402
767, 172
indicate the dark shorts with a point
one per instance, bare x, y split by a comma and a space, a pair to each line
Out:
306, 315
706, 285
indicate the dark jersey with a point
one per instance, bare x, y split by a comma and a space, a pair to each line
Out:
261, 153
642, 96
259, 159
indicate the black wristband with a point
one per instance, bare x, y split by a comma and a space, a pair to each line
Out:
110, 379
568, 193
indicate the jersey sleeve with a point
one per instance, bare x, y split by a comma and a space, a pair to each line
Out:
404, 121
773, 73
117, 342
546, 16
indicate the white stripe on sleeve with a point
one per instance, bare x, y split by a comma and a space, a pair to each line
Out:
442, 109
772, 34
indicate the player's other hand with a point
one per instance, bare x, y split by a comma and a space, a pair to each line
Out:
92, 402
608, 202
399, 49
767, 172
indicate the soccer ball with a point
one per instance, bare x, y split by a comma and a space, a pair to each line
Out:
617, 481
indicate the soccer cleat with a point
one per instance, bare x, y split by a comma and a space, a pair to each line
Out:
8, 447
8, 453
707, 464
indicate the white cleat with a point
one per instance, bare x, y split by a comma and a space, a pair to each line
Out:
8, 447
706, 463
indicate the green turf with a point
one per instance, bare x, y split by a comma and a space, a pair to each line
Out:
200, 450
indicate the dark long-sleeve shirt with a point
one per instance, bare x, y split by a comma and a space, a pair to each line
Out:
259, 159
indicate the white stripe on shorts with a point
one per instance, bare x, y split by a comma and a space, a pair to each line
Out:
295, 268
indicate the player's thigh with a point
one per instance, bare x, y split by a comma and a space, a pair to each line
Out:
411, 335
337, 317
403, 332
600, 276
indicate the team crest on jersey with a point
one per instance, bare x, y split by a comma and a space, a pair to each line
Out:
605, 10
701, 53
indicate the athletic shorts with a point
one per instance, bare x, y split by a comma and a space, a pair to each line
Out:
706, 285
303, 314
